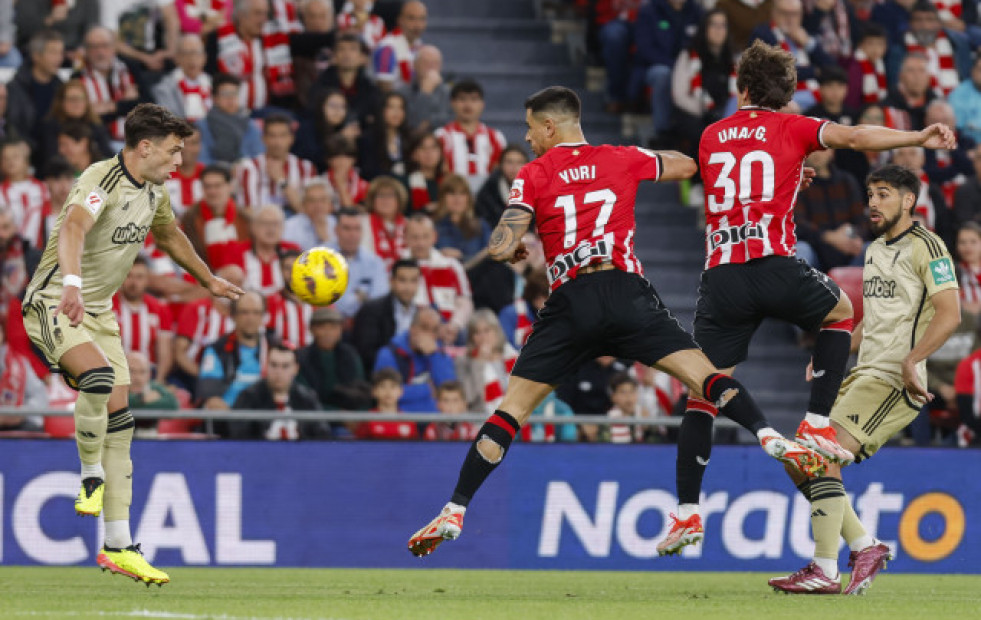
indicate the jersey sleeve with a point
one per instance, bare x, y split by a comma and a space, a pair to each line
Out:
523, 191
644, 163
933, 264
807, 131
165, 212
87, 193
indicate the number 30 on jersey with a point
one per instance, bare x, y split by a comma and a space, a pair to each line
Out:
745, 191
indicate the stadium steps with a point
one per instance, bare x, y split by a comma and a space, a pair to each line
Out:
502, 45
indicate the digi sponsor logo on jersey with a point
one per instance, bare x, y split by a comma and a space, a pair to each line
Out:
131, 233
736, 234
877, 287
517, 191
584, 253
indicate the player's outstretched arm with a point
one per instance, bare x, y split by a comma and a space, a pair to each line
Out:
676, 166
947, 317
71, 242
505, 241
175, 243
875, 138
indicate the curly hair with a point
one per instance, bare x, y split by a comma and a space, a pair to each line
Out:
769, 74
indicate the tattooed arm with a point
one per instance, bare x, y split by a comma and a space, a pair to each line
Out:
505, 242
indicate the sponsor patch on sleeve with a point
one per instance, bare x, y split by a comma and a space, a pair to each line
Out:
942, 271
93, 202
517, 191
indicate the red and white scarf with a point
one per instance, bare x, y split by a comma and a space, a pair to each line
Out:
924, 204
286, 17
801, 59
202, 9
195, 96
184, 190
418, 191
264, 63
940, 58
523, 325
290, 320
263, 276
356, 186
13, 383
112, 88
373, 30
695, 83
494, 386
948, 9
970, 282
874, 88
387, 244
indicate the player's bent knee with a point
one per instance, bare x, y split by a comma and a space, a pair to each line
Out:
97, 381
490, 450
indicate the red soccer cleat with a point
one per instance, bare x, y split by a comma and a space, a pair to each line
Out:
865, 565
807, 461
808, 580
446, 526
682, 534
824, 441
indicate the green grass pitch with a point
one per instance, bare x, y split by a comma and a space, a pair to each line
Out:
233, 594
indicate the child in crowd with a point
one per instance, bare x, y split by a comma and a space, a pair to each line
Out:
386, 389
450, 400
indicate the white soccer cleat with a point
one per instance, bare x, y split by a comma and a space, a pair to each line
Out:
447, 526
805, 460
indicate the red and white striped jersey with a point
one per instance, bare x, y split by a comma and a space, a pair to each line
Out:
371, 32
202, 324
444, 281
967, 381
263, 276
289, 319
472, 156
357, 188
103, 89
141, 325
286, 16
752, 163
257, 189
29, 202
970, 281
583, 198
183, 190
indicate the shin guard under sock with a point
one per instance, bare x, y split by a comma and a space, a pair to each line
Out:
499, 431
734, 401
118, 466
831, 351
694, 449
827, 511
94, 389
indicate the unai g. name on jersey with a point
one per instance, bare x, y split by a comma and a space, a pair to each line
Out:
582, 198
752, 164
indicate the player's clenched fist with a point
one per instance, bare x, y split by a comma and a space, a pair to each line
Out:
71, 305
220, 287
939, 136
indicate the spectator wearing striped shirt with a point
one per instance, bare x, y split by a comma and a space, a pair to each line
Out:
145, 322
277, 176
470, 148
109, 83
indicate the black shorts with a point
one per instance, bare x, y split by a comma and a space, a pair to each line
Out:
734, 299
602, 313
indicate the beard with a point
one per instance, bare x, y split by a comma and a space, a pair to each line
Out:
885, 225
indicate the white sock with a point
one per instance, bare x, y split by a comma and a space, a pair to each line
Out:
117, 534
455, 507
763, 433
93, 471
862, 542
817, 420
829, 566
685, 511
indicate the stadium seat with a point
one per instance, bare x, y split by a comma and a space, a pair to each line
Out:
850, 281
60, 427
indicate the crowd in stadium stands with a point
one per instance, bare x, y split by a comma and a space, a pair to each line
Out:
330, 122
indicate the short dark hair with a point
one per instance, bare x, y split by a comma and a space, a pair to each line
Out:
149, 121
277, 118
903, 179
223, 79
350, 37
76, 130
141, 259
536, 285
619, 379
924, 6
14, 140
512, 148
404, 263
340, 145
556, 99
57, 167
769, 74
284, 347
347, 212
466, 86
871, 30
40, 39
833, 74
217, 168
385, 374
450, 386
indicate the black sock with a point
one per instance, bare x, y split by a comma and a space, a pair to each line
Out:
805, 489
734, 401
694, 443
500, 429
830, 357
